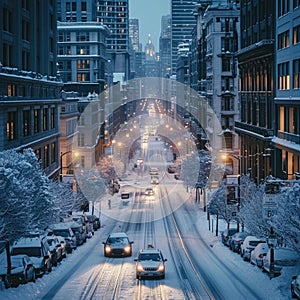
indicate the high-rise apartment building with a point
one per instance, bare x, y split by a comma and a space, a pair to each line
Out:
287, 100
134, 34
183, 22
81, 47
256, 60
115, 15
29, 85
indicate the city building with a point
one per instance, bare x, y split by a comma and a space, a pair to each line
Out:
115, 15
286, 142
134, 44
183, 62
256, 61
81, 47
217, 34
151, 63
182, 24
29, 85
165, 47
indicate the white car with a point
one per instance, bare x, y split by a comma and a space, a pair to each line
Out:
248, 245
258, 253
150, 264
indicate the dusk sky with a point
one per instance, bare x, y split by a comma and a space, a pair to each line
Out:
149, 14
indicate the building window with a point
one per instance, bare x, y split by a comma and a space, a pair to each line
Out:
46, 156
38, 154
226, 64
83, 6
80, 139
281, 118
53, 152
11, 125
83, 50
283, 76
26, 122
296, 35
82, 77
283, 40
11, 90
7, 20
283, 7
296, 74
296, 3
45, 119
25, 30
83, 64
82, 36
52, 117
36, 114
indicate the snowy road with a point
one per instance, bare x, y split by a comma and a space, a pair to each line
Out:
198, 265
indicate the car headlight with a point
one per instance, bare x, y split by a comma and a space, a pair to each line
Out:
107, 249
161, 268
127, 249
140, 268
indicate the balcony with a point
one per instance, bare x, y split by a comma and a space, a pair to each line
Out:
243, 127
294, 138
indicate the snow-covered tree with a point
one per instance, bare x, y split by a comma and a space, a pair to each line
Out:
251, 209
26, 202
287, 219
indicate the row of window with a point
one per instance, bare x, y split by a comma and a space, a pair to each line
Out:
284, 79
284, 38
32, 122
47, 154
284, 6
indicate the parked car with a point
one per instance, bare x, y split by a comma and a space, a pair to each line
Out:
117, 245
226, 234
237, 240
82, 218
153, 171
248, 245
258, 253
64, 230
22, 270
92, 219
295, 287
79, 232
37, 249
282, 257
55, 249
150, 263
63, 245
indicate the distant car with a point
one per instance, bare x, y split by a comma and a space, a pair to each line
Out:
295, 287
149, 191
248, 245
258, 253
282, 257
172, 169
237, 240
226, 234
79, 231
22, 270
150, 263
37, 249
154, 180
153, 171
117, 245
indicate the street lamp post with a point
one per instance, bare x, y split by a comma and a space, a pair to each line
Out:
62, 154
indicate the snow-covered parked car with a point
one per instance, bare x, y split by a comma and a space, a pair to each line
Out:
226, 234
258, 253
64, 230
295, 287
37, 249
236, 241
57, 249
248, 245
22, 270
282, 257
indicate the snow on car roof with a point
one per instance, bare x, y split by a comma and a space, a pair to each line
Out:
27, 242
118, 234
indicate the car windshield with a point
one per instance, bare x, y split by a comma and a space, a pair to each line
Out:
151, 256
30, 251
254, 243
64, 233
121, 240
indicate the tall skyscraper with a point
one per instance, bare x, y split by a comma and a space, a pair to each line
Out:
165, 47
183, 22
134, 34
115, 15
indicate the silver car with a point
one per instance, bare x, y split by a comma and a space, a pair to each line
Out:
150, 264
117, 245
